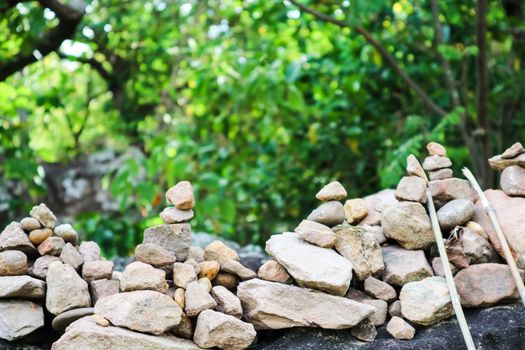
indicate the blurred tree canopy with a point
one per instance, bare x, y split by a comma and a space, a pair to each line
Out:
258, 103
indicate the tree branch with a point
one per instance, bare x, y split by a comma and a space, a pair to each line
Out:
96, 65
382, 51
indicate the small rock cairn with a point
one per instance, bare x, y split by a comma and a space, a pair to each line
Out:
367, 263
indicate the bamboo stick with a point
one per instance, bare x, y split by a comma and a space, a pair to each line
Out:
448, 275
501, 236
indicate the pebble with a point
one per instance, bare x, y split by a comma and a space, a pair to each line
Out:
272, 271
41, 266
101, 321
379, 289
172, 215
44, 215
355, 210
403, 266
436, 149
378, 317
13, 263
97, 270
412, 188
364, 331
153, 254
67, 233
513, 181
444, 191
513, 151
226, 280
71, 256
436, 162
89, 250
227, 302
220, 252
181, 195
14, 238
51, 246
183, 274
395, 309
316, 233
61, 321
400, 329
333, 191
180, 298
236, 268
103, 288
329, 213
414, 168
140, 276
209, 269
197, 299
441, 174
30, 224
206, 283
455, 213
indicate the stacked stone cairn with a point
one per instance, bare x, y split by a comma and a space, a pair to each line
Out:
370, 262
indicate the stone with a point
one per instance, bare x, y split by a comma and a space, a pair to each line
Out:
444, 191
400, 329
376, 204
90, 251
360, 248
376, 232
172, 215
220, 252
41, 266
24, 287
65, 289
455, 213
426, 302
334, 191
509, 211
412, 188
87, 334
19, 318
499, 163
103, 288
61, 321
30, 224
440, 174
414, 168
215, 329
329, 213
181, 195
465, 247
435, 149
379, 289
316, 233
436, 162
311, 266
44, 215
13, 263
155, 255
197, 299
408, 224
101, 321
67, 233
403, 266
357, 295
437, 266
236, 268
175, 238
272, 271
355, 210
185, 328
14, 238
51, 246
196, 253
206, 283
209, 269
297, 307
483, 285
142, 311
179, 297
395, 309
140, 276
227, 302
38, 236
97, 270
71, 256
226, 280
183, 274
513, 181
378, 317
365, 331
195, 265
513, 151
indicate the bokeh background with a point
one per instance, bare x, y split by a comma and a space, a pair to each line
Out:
104, 104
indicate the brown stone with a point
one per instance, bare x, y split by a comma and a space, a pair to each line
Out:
436, 162
220, 252
103, 288
440, 174
44, 215
403, 266
41, 266
236, 268
415, 169
412, 188
38, 236
176, 238
209, 269
226, 280
333, 191
435, 149
14, 238
444, 191
97, 270
379, 289
272, 271
513, 181
30, 224
329, 213
181, 195
13, 263
355, 210
140, 276
316, 233
400, 329
499, 163
90, 251
51, 246
154, 254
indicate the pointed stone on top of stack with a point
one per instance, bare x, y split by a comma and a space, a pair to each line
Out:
331, 211
437, 163
334, 191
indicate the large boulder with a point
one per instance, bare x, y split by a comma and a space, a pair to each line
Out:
271, 305
18, 318
215, 329
311, 266
22, 287
403, 266
176, 238
143, 311
66, 290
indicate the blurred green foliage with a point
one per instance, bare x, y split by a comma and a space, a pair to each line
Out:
255, 102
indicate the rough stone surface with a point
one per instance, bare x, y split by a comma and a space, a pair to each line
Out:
197, 299
220, 252
360, 248
426, 302
183, 274
379, 289
440, 174
51, 246
215, 329
329, 213
71, 256
185, 328
274, 272
61, 321
311, 266
403, 266
24, 287
395, 309
153, 254
44, 215
236, 268
143, 311
97, 270
297, 307
140, 276
378, 317
40, 235
436, 162
103, 288
436, 149
65, 289
412, 188
226, 280
515, 150
449, 189
19, 318
333, 191
89, 250
437, 266
172, 215
41, 266
409, 224
455, 213
14, 238
87, 334
29, 224
13, 263
414, 168
175, 238
513, 181
376, 204
484, 285
355, 210
499, 163
466, 246
377, 232
209, 269
181, 195
67, 233
227, 302
400, 329
365, 331
316, 233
